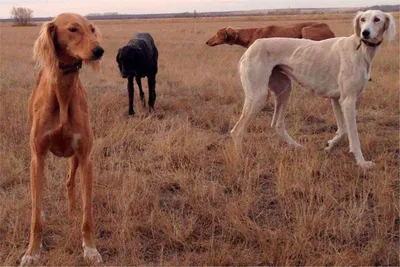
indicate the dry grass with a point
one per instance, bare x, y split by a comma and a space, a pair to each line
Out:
168, 189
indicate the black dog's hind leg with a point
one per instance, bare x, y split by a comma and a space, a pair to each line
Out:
139, 83
152, 91
130, 93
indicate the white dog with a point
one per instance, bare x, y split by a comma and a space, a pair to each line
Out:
337, 68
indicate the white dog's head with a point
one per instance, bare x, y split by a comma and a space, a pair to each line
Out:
374, 25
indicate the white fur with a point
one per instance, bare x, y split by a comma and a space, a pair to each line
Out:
43, 216
75, 139
29, 260
91, 254
333, 68
374, 21
47, 133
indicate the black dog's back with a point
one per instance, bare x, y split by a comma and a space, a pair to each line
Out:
145, 42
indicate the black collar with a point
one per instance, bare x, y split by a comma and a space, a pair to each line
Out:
369, 43
67, 69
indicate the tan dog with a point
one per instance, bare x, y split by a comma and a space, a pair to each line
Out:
59, 119
246, 37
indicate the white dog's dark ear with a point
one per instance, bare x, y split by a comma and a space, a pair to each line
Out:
390, 27
356, 23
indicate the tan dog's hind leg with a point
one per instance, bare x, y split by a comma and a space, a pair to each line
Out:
342, 130
90, 252
37, 182
73, 165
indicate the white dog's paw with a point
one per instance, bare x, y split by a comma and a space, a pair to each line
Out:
366, 164
28, 260
294, 144
92, 255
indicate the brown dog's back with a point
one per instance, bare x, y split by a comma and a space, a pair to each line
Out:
317, 32
308, 30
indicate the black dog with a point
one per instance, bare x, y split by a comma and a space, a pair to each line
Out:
139, 59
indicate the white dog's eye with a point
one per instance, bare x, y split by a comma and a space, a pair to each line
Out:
362, 19
376, 19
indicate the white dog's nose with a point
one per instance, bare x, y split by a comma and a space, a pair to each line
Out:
366, 33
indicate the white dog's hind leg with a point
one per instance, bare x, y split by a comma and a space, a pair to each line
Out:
251, 108
342, 130
278, 83
348, 105
281, 85
281, 102
254, 80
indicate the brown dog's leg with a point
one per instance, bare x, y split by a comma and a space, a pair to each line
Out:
37, 181
73, 165
90, 251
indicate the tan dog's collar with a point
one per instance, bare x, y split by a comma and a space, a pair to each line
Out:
67, 69
369, 43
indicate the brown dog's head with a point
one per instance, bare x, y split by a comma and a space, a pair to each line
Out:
223, 36
67, 39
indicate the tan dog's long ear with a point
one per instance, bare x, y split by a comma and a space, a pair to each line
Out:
231, 35
95, 65
44, 51
390, 27
356, 23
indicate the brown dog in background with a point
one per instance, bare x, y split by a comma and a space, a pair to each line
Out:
245, 37
59, 120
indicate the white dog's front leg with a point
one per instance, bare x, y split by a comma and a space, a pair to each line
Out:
349, 111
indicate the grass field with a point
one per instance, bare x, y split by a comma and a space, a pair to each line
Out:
168, 189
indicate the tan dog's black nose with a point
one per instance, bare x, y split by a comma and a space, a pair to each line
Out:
98, 52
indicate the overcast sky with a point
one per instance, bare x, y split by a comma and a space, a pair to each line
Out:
44, 8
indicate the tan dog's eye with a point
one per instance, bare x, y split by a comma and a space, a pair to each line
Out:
93, 30
73, 29
376, 19
362, 19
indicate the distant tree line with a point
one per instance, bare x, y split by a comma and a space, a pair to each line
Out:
23, 16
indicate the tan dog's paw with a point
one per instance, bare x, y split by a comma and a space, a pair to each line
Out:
28, 260
92, 255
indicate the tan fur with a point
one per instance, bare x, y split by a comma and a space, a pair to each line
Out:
59, 121
44, 52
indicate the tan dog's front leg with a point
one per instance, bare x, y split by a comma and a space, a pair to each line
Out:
73, 165
90, 252
32, 255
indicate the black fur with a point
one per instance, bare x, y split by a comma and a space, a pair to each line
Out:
138, 59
